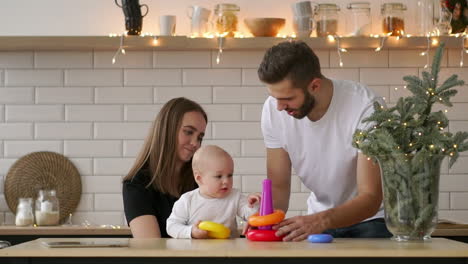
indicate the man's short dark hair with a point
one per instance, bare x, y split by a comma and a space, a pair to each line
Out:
293, 60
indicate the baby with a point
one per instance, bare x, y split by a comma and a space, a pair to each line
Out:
215, 199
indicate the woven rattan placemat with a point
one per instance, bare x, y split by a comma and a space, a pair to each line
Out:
44, 171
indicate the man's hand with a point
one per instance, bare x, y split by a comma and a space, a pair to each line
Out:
198, 233
253, 198
297, 228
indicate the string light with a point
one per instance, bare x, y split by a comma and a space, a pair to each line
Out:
382, 42
339, 50
463, 50
120, 49
155, 41
426, 53
220, 48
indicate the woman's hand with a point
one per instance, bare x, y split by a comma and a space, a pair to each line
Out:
198, 233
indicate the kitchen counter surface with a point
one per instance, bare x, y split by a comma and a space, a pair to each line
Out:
64, 230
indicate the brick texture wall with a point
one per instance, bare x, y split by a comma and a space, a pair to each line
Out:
97, 113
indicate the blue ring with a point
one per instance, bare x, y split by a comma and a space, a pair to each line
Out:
320, 238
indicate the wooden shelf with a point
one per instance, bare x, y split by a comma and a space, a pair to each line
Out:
17, 43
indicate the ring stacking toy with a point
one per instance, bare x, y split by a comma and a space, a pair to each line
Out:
265, 218
215, 230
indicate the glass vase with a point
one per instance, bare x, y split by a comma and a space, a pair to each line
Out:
411, 194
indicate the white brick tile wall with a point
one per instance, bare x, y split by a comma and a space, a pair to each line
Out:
16, 149
454, 58
456, 112
34, 77
252, 94
133, 59
82, 95
3, 204
249, 166
131, 148
160, 77
237, 59
84, 166
342, 74
86, 202
94, 77
93, 148
141, 112
233, 130
136, 130
360, 59
454, 183
132, 95
412, 58
391, 76
444, 201
63, 131
78, 113
250, 77
199, 94
231, 146
253, 148
447, 72
112, 166
16, 131
34, 113
17, 95
182, 59
458, 200
16, 60
108, 202
63, 59
211, 77
5, 165
101, 184
252, 112
97, 113
223, 112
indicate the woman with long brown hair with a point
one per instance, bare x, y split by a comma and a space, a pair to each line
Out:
163, 169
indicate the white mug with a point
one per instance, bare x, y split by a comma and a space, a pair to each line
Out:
302, 9
303, 25
199, 17
167, 25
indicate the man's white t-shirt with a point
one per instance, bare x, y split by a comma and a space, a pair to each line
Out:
321, 152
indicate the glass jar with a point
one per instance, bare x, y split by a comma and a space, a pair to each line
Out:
47, 208
443, 18
326, 17
359, 19
24, 212
393, 22
424, 17
226, 19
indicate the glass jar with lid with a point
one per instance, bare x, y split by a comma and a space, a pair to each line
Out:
359, 22
326, 17
47, 208
393, 19
226, 19
24, 212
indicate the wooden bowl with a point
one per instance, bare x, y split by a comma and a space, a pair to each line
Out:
264, 26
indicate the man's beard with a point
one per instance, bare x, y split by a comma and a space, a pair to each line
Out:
306, 107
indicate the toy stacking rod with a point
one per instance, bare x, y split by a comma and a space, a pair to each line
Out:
266, 204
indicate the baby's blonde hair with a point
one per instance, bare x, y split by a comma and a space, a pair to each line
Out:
208, 153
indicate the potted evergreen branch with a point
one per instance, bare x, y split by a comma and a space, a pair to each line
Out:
410, 141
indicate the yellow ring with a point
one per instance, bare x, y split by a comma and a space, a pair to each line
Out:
215, 230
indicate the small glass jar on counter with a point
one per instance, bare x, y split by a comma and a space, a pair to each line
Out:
393, 19
47, 208
226, 19
326, 17
24, 212
359, 21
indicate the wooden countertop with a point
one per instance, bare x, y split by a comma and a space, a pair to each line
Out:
64, 230
162, 247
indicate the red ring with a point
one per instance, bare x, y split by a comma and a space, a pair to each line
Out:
263, 235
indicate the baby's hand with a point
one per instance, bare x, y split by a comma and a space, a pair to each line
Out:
253, 198
198, 233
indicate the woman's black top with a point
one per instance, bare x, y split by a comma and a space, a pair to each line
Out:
141, 200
